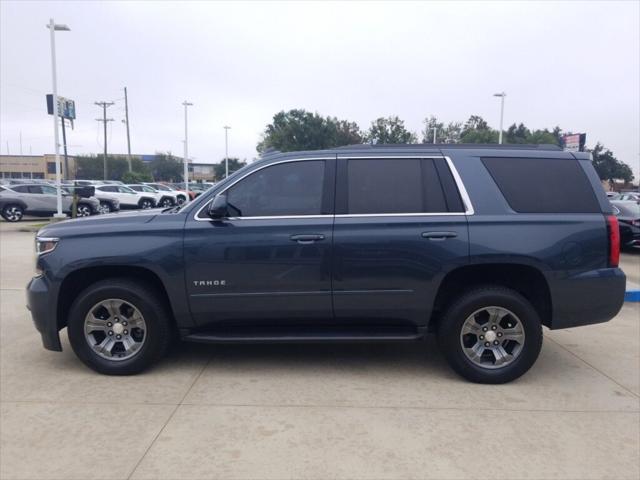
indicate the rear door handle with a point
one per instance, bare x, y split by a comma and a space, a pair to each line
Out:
307, 239
436, 236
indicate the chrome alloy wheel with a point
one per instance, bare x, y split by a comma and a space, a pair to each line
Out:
83, 211
104, 208
115, 329
492, 337
13, 213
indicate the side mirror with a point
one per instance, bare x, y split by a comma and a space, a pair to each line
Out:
218, 207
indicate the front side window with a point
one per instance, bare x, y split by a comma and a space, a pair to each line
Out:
35, 189
285, 189
125, 190
49, 190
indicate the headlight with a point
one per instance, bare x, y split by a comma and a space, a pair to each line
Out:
46, 244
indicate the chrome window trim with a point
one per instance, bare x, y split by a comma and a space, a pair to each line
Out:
466, 200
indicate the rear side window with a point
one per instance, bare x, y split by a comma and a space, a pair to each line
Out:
543, 185
20, 188
293, 188
396, 185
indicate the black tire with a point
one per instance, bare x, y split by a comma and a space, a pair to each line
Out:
450, 329
83, 210
145, 203
12, 212
181, 199
166, 202
151, 305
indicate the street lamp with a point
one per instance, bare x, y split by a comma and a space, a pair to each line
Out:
226, 151
186, 149
501, 95
53, 27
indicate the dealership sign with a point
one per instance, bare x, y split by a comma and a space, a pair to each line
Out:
574, 142
66, 107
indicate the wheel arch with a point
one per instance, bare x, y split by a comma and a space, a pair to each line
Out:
527, 280
78, 280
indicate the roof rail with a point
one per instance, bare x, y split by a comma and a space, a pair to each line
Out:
493, 146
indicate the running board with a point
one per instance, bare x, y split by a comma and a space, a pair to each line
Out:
309, 335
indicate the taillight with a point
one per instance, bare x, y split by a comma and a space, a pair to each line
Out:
614, 240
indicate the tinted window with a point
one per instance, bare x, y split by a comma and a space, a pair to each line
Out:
20, 188
107, 189
49, 190
34, 189
393, 186
543, 185
136, 188
293, 188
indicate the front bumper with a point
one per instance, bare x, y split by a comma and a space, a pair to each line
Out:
41, 304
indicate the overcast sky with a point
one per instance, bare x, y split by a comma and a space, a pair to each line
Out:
573, 64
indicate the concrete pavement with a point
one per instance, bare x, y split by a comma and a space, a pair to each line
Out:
314, 411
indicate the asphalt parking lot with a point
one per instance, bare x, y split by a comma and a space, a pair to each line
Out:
318, 412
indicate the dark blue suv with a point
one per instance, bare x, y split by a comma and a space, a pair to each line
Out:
482, 245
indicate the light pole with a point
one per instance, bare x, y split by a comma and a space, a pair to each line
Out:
52, 26
501, 95
226, 151
186, 148
435, 131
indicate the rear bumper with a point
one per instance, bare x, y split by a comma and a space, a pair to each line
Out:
43, 312
590, 297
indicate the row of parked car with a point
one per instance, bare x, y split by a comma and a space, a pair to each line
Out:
626, 206
38, 198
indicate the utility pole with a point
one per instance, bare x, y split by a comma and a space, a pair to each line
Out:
186, 150
501, 95
104, 120
126, 116
435, 131
226, 151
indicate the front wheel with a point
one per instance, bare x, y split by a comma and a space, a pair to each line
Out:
181, 199
166, 202
105, 208
491, 335
118, 327
12, 213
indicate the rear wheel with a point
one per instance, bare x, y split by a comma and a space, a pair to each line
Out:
83, 210
145, 204
491, 335
12, 213
118, 327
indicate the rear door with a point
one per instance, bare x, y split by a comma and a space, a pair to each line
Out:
400, 226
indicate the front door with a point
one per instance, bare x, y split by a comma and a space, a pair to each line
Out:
271, 258
400, 224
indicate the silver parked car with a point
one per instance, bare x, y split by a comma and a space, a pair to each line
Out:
40, 200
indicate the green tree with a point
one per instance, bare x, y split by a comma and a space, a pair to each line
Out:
388, 131
136, 177
234, 164
477, 130
301, 130
517, 134
92, 167
430, 124
608, 166
166, 167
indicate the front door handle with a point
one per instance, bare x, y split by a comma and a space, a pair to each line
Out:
307, 239
437, 236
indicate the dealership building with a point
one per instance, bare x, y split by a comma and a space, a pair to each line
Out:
43, 167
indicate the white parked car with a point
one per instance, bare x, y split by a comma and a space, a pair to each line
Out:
163, 198
129, 198
180, 195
